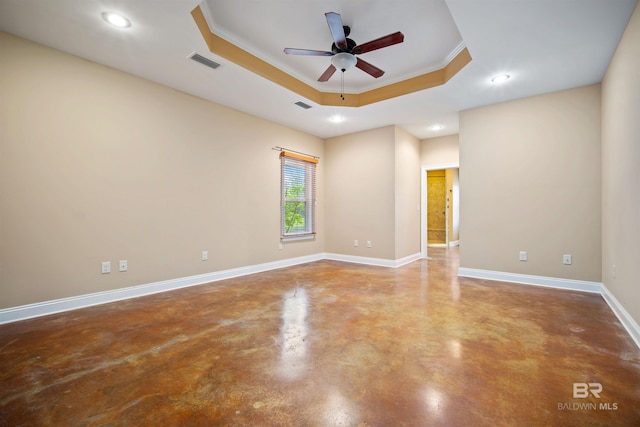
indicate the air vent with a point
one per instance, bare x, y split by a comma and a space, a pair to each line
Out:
303, 105
204, 61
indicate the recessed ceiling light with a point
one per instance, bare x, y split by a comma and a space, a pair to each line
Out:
500, 78
436, 127
336, 119
116, 19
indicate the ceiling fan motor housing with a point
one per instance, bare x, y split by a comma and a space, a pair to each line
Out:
350, 45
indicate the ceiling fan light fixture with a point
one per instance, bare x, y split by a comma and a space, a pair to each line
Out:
116, 19
343, 61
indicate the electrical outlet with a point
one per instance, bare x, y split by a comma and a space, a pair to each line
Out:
369, 244
122, 265
523, 255
205, 255
106, 267
566, 259
355, 243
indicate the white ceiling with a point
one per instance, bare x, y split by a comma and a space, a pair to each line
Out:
545, 45
430, 34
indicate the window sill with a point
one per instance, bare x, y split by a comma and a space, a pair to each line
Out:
298, 237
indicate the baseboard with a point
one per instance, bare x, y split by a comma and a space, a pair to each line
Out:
549, 282
379, 262
29, 311
437, 245
23, 312
623, 315
444, 245
630, 325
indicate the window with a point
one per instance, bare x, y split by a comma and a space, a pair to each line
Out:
298, 194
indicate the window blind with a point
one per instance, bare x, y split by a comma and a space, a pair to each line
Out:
298, 195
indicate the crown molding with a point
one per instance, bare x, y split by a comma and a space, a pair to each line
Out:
459, 58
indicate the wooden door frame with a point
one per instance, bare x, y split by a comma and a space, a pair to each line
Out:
423, 201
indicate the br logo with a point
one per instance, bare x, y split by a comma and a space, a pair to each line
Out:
582, 390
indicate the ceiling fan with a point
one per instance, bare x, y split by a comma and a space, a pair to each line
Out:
344, 50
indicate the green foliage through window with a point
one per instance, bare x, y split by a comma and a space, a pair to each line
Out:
294, 211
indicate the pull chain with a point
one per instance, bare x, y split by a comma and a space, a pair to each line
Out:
342, 85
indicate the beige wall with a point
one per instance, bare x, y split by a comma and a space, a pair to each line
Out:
530, 181
374, 177
407, 194
442, 150
621, 170
99, 165
453, 188
361, 205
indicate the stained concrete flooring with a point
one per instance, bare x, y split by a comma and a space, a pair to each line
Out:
327, 344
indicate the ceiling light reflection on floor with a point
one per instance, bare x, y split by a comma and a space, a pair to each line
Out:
340, 411
455, 348
455, 290
434, 400
293, 333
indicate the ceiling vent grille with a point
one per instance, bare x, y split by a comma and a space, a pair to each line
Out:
303, 105
204, 61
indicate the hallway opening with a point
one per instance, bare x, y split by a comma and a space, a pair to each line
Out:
441, 216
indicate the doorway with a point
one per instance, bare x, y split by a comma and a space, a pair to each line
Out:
441, 207
437, 203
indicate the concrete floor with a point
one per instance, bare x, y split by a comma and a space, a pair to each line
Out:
327, 344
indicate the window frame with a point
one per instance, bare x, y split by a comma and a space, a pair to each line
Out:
289, 160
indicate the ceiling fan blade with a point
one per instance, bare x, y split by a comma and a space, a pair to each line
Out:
327, 73
369, 69
379, 43
308, 52
337, 30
